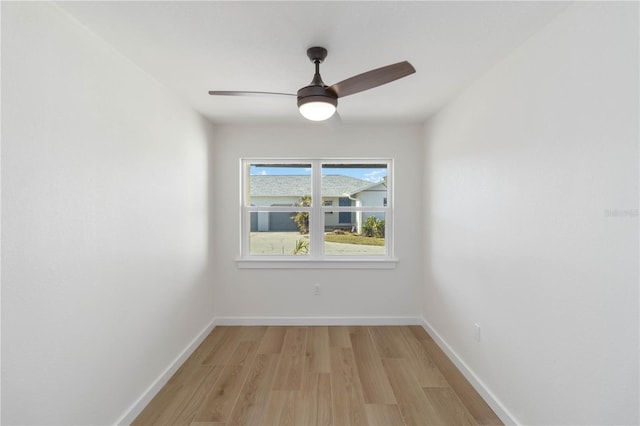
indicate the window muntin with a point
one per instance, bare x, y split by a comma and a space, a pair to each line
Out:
275, 192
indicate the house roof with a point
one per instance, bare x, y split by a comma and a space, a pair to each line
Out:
369, 186
298, 186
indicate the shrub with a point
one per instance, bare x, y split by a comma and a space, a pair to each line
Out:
302, 247
373, 227
380, 228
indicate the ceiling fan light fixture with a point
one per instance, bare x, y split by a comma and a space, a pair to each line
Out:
317, 101
318, 110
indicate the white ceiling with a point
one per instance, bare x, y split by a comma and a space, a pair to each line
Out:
193, 47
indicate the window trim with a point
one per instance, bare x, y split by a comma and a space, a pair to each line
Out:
316, 259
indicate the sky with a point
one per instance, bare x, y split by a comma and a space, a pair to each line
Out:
370, 174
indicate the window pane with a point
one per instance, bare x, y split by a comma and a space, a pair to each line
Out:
355, 184
366, 237
279, 184
278, 233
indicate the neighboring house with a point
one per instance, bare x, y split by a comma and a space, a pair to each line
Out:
337, 190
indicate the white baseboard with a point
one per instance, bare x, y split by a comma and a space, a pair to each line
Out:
146, 397
495, 404
306, 321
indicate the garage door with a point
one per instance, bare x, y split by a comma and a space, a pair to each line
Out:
254, 221
282, 222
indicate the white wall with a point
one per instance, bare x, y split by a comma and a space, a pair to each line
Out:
105, 224
345, 293
524, 172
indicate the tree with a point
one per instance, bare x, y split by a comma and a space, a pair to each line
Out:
302, 218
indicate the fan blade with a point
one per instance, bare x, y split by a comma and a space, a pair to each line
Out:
373, 78
238, 93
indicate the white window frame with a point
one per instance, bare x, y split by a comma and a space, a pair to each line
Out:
316, 258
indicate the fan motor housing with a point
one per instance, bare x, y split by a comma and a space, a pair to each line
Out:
317, 94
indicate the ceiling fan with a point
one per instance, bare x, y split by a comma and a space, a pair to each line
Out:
317, 101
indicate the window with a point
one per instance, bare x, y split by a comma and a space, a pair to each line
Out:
316, 212
327, 203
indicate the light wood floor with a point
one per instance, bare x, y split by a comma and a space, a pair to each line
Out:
317, 376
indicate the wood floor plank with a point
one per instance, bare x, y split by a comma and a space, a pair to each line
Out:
182, 374
405, 386
339, 337
244, 353
317, 354
412, 402
207, 345
185, 414
321, 411
313, 402
419, 333
291, 364
181, 393
220, 354
448, 406
173, 395
154, 409
253, 333
479, 409
389, 343
376, 388
423, 367
346, 391
418, 415
253, 398
383, 415
324, 402
281, 409
222, 395
272, 340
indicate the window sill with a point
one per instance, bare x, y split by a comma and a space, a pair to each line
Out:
271, 263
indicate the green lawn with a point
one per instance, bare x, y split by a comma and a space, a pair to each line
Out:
354, 239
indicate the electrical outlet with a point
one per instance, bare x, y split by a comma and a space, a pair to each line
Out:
316, 290
476, 332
